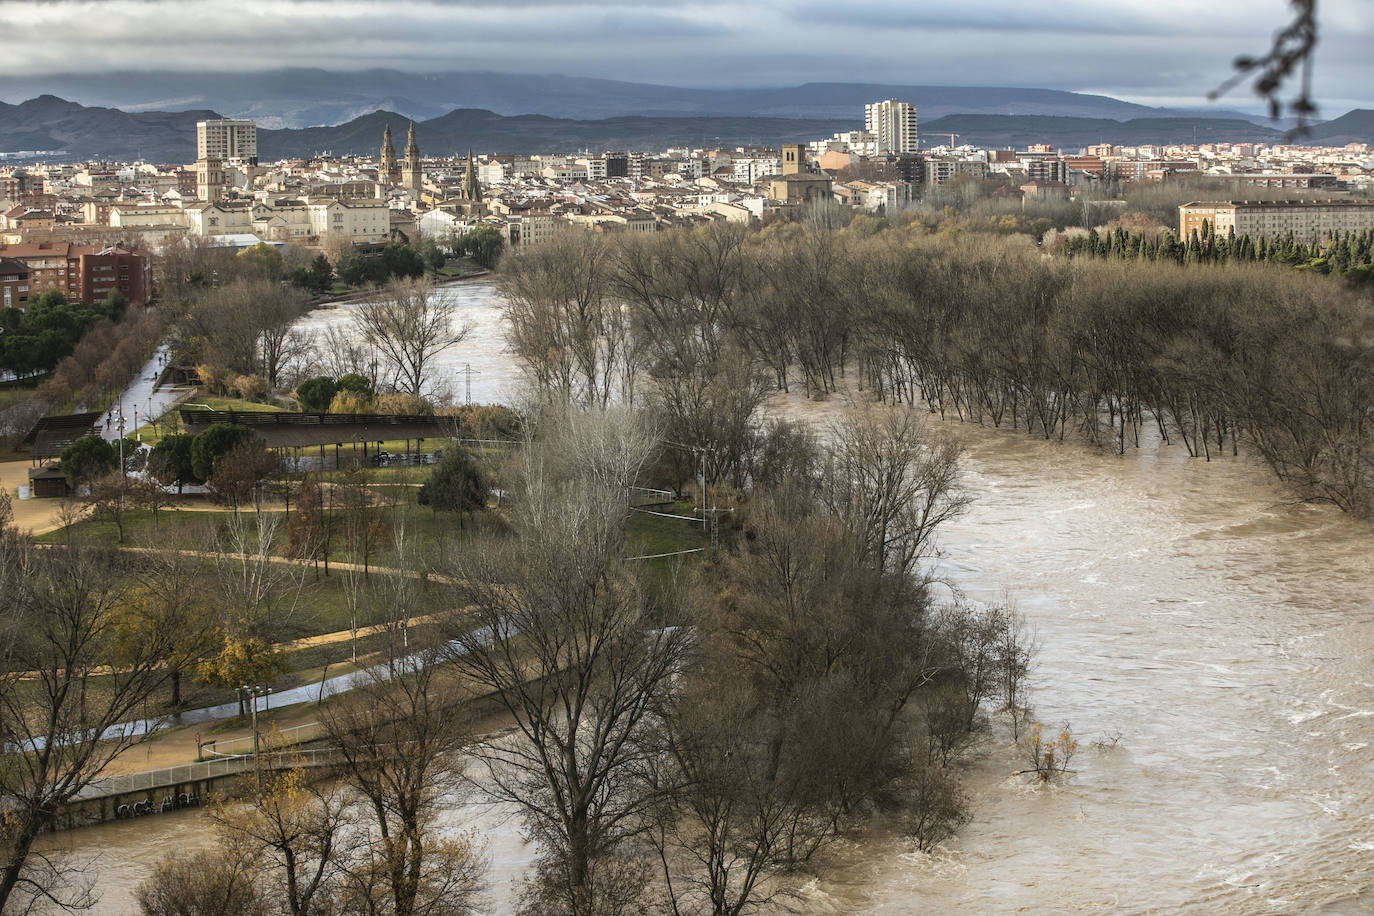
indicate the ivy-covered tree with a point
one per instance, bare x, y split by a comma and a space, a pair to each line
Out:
88, 459
170, 461
316, 393
210, 447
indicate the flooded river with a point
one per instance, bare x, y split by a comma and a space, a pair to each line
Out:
1220, 635
1224, 634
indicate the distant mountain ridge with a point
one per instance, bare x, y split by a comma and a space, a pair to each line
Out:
303, 97
52, 123
1018, 131
456, 131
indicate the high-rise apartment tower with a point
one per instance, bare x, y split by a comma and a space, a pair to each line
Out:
225, 139
893, 125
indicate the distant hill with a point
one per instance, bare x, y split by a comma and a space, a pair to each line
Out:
304, 97
489, 132
51, 123
1355, 126
1075, 133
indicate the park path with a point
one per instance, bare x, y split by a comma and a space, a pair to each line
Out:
143, 399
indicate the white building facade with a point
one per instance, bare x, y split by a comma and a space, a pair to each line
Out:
892, 125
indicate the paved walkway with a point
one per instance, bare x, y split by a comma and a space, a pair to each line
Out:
305, 693
143, 400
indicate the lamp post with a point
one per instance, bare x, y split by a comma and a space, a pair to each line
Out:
121, 438
252, 693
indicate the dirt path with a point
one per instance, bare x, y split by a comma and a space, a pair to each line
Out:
33, 515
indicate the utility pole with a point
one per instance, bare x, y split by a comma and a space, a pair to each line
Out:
468, 373
252, 694
121, 437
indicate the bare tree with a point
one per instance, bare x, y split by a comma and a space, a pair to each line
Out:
338, 352
1015, 650
62, 725
298, 832
408, 327
116, 496
400, 738
221, 880
239, 475
245, 326
725, 822
894, 484
560, 632
572, 337
259, 594
935, 806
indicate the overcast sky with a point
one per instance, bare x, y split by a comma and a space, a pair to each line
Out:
1154, 51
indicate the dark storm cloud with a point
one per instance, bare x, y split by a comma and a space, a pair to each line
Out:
1146, 49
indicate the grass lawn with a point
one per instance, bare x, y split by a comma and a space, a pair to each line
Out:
316, 602
11, 396
652, 534
217, 403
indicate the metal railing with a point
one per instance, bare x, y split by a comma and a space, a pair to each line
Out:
210, 769
278, 738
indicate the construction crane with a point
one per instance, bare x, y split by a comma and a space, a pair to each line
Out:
951, 139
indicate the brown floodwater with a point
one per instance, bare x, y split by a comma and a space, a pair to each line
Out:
1214, 639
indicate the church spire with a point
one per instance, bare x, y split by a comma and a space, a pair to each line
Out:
472, 189
412, 147
412, 176
388, 171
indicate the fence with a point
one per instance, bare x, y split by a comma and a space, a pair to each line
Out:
195, 772
275, 739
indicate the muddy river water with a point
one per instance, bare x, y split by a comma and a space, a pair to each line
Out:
1210, 642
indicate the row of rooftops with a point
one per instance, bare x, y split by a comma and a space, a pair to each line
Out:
1303, 203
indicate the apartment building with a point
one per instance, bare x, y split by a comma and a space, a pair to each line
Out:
14, 284
1306, 219
892, 125
84, 273
363, 220
939, 171
528, 228
227, 139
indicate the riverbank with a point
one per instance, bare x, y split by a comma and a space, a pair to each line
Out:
363, 294
1212, 633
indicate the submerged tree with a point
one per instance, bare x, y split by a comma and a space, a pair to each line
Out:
408, 326
562, 634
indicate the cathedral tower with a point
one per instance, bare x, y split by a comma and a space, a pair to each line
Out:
412, 177
388, 172
472, 188
209, 179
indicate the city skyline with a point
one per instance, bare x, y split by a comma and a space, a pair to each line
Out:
1168, 53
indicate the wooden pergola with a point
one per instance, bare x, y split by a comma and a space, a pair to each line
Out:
283, 431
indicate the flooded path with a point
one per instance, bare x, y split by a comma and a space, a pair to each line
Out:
1223, 632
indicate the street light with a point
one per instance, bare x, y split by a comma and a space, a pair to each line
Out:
121, 440
252, 693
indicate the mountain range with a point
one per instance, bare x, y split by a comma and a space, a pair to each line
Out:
49, 123
312, 97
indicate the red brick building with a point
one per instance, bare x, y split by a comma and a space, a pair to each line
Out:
85, 273
14, 284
